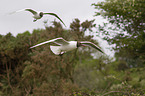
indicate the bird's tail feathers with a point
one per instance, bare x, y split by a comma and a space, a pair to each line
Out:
56, 50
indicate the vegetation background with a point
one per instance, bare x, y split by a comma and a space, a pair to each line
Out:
25, 72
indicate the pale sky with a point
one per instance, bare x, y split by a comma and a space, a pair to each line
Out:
67, 10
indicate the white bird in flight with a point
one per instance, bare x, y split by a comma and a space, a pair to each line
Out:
38, 15
65, 46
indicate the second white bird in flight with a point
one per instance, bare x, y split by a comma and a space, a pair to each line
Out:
67, 45
38, 15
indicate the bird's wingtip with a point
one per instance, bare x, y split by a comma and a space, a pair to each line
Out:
65, 25
31, 47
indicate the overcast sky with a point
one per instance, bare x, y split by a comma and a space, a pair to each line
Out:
67, 10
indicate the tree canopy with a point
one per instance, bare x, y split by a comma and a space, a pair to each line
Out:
125, 29
39, 71
36, 72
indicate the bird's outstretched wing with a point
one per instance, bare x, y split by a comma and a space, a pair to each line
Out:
55, 16
26, 9
16, 11
59, 41
32, 11
87, 43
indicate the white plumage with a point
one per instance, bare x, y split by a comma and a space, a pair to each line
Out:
38, 15
65, 46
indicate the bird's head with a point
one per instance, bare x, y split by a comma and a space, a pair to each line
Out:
41, 14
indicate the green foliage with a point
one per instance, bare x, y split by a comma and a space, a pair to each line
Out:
125, 29
38, 71
91, 71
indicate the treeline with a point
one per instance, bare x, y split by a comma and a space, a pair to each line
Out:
39, 71
25, 72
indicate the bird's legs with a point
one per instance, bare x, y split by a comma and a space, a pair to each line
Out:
61, 53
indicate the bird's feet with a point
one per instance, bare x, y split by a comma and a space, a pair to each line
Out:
60, 54
34, 20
